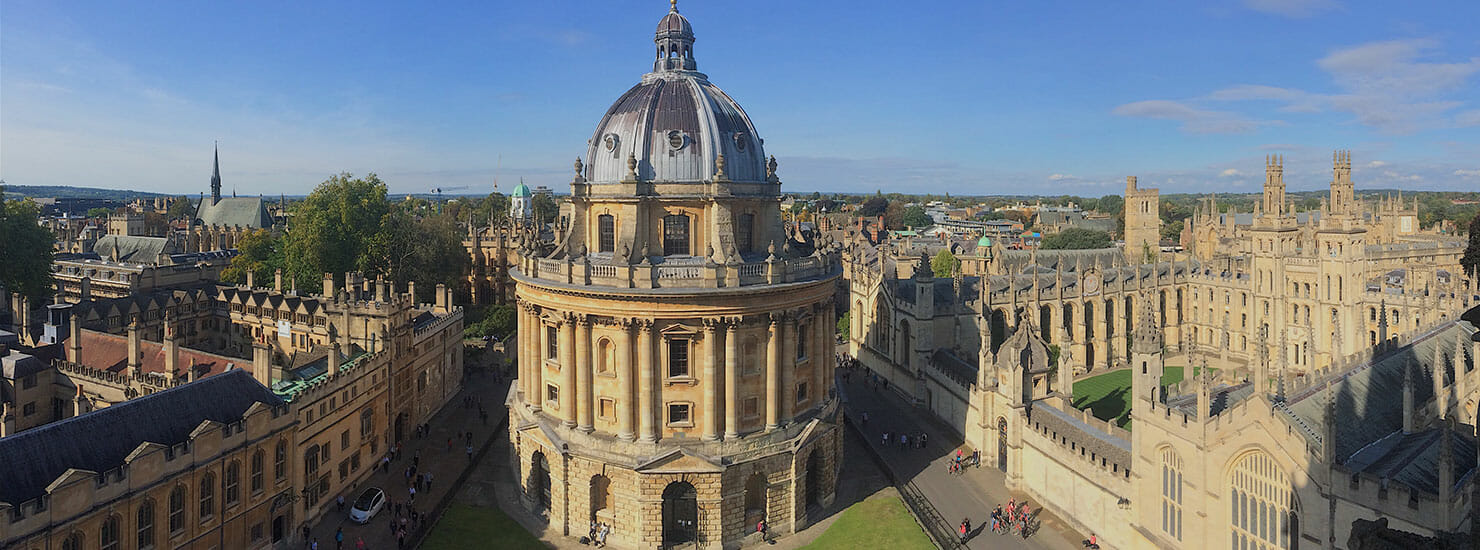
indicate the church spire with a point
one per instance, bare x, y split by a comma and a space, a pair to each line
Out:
216, 176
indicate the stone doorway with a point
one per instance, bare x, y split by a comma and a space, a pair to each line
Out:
539, 482
814, 479
680, 514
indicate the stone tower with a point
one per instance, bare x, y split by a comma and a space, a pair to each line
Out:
1146, 353
1142, 222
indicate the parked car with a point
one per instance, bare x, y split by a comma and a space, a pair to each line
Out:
369, 503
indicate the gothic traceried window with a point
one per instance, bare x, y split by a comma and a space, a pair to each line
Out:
1260, 505
1171, 493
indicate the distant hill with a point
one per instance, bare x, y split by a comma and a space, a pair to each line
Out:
67, 191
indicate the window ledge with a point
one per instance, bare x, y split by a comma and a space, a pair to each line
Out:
681, 381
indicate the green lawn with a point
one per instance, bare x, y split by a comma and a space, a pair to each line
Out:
464, 526
878, 522
1108, 395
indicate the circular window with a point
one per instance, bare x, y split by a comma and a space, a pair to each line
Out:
675, 139
611, 141
741, 141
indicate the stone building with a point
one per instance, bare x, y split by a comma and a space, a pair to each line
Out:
1142, 222
203, 465
219, 222
676, 356
1345, 390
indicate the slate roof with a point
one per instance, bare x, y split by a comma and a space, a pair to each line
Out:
93, 442
132, 249
235, 211
1413, 458
15, 365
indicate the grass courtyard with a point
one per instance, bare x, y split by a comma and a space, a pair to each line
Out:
1108, 396
876, 522
464, 526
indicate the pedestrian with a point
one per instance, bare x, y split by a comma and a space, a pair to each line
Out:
429, 481
903, 441
359, 543
886, 439
314, 545
470, 453
307, 532
763, 529
412, 490
449, 444
339, 539
965, 528
865, 418
923, 444
339, 503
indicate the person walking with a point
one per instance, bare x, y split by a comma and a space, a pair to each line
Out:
412, 490
429, 481
339, 539
359, 543
763, 529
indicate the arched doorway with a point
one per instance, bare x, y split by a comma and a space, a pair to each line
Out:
814, 479
400, 426
680, 513
539, 481
999, 329
755, 498
1002, 444
600, 497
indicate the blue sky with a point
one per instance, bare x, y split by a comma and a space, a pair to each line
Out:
961, 97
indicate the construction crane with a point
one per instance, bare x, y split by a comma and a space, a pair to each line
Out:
439, 190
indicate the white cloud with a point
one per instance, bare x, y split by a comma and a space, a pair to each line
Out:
1194, 120
1376, 164
1389, 85
1467, 173
1230, 173
1060, 177
1291, 8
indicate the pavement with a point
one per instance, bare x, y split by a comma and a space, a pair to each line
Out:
446, 467
971, 495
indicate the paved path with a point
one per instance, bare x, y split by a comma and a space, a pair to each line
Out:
453, 421
971, 495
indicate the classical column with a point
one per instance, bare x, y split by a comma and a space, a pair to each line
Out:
710, 385
583, 374
521, 352
732, 378
773, 373
627, 405
536, 355
647, 390
568, 369
826, 331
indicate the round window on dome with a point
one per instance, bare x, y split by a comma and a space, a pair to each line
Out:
741, 141
611, 142
675, 139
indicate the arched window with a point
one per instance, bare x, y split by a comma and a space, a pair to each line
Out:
177, 509
605, 357
145, 524
233, 482
207, 496
606, 233
1260, 514
1171, 493
108, 534
676, 235
280, 461
72, 542
256, 473
744, 225
600, 494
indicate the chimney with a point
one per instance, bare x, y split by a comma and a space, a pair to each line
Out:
171, 353
349, 284
79, 403
133, 350
411, 289
328, 289
7, 420
251, 280
449, 299
441, 297
334, 359
262, 363
86, 288
74, 339
277, 280
380, 288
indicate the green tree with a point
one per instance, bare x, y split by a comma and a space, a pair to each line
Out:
26, 247
333, 228
915, 216
874, 206
1471, 260
260, 253
894, 215
1114, 205
944, 263
1075, 238
99, 212
180, 207
425, 249
544, 207
845, 324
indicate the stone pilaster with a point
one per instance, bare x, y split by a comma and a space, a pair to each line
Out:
647, 391
584, 399
773, 373
732, 378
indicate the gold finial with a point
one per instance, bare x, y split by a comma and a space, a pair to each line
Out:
672, 5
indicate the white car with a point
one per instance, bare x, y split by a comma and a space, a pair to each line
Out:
369, 503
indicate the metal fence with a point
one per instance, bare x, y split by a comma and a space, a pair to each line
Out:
936, 526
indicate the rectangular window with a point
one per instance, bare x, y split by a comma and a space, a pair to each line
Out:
678, 415
28, 409
343, 470
676, 235
804, 333
606, 229
30, 382
743, 227
552, 342
608, 408
678, 358
801, 392
344, 440
552, 396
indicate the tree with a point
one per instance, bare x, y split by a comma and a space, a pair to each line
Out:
944, 263
1075, 238
26, 247
1471, 260
260, 253
845, 324
99, 212
1114, 205
425, 249
544, 207
894, 215
874, 206
915, 216
333, 228
180, 207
